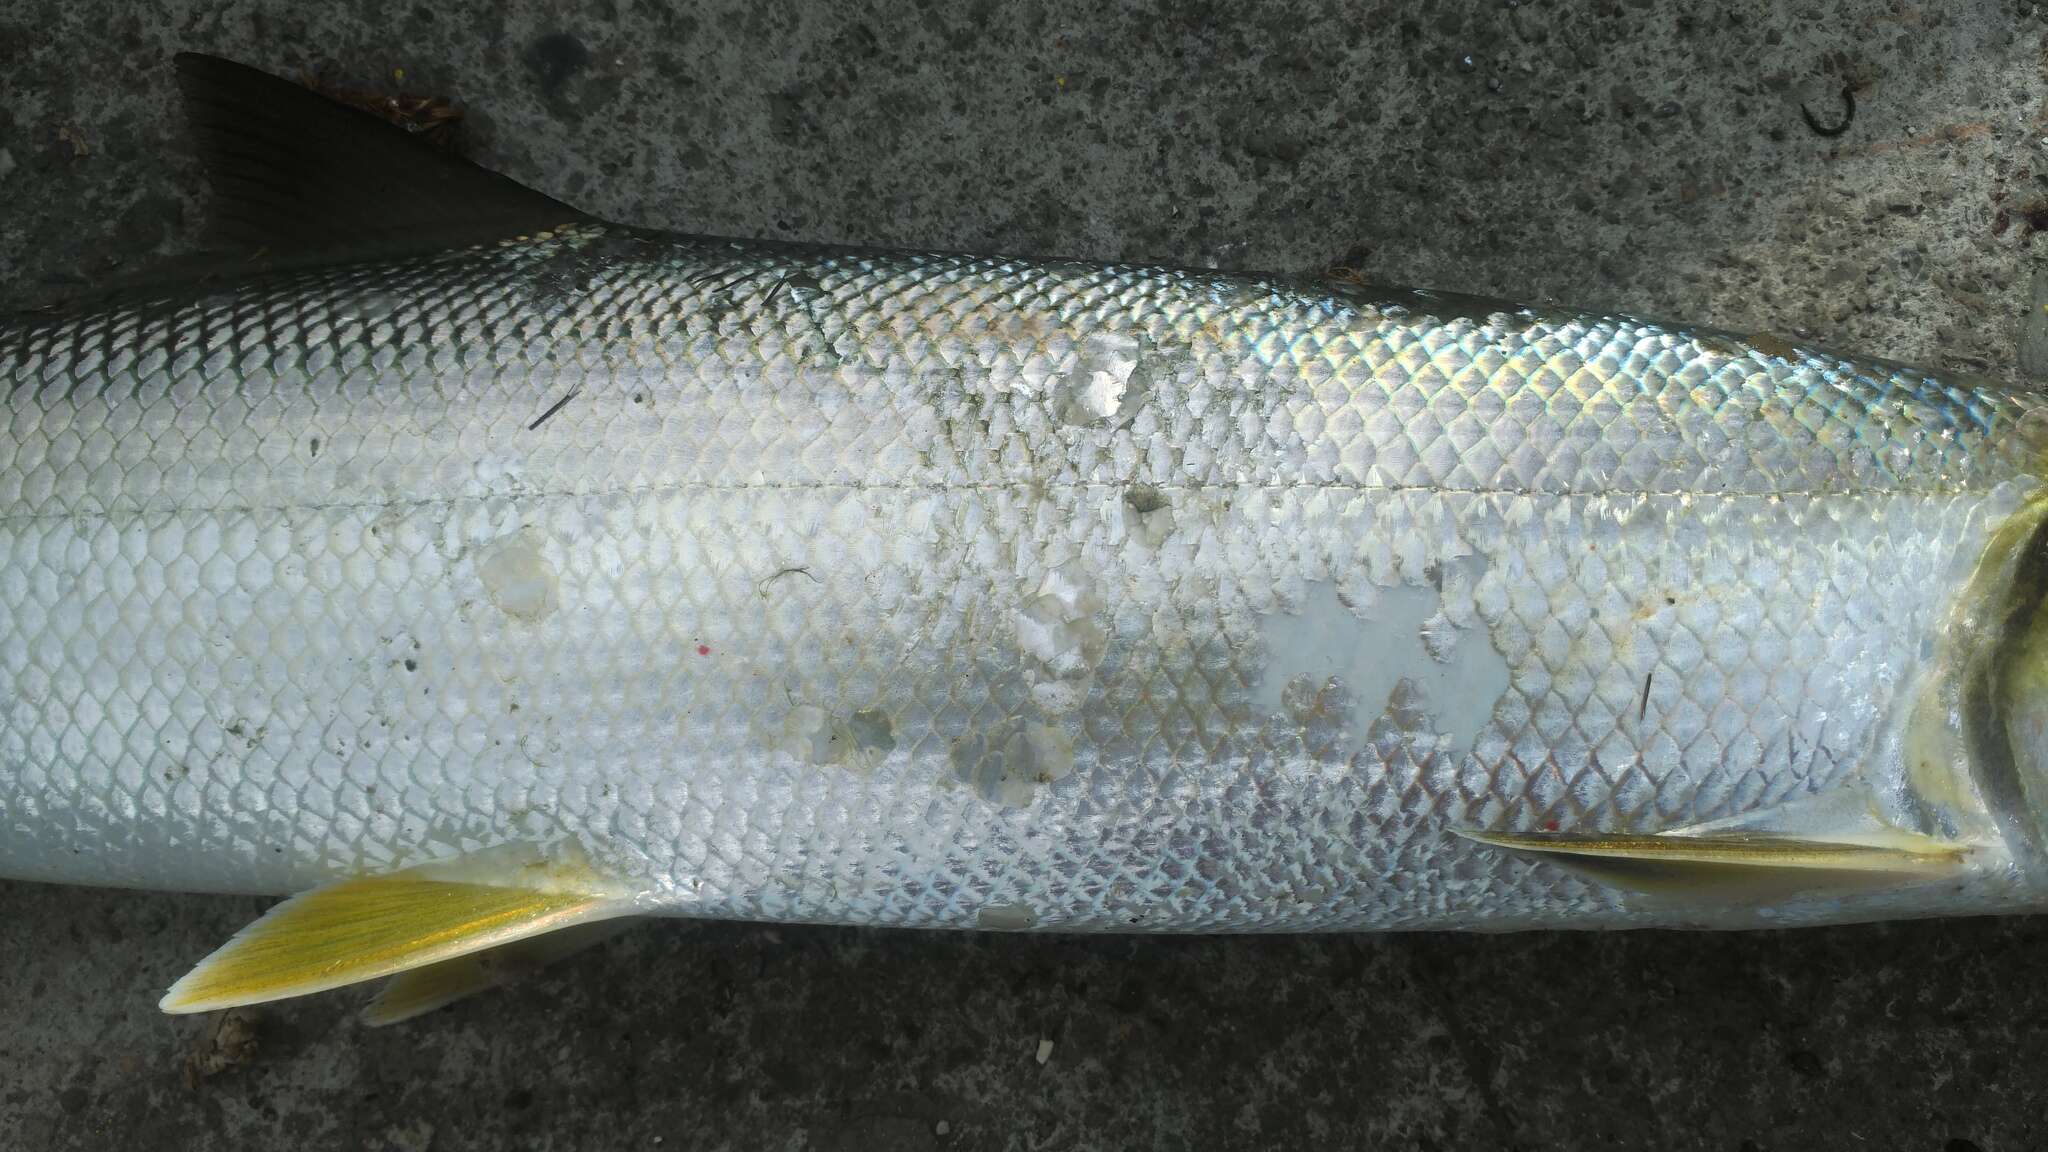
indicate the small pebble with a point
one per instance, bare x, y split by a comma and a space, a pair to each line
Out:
941, 1128
1044, 1051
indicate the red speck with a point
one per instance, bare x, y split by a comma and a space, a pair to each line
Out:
1550, 825
703, 649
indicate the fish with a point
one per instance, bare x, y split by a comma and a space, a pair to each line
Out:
482, 577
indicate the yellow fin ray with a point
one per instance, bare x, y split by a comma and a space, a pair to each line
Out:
1750, 861
362, 928
421, 990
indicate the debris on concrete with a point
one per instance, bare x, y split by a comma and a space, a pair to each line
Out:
230, 1040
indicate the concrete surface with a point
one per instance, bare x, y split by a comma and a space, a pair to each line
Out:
1625, 153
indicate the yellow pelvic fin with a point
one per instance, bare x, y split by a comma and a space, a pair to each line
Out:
363, 928
1745, 861
421, 990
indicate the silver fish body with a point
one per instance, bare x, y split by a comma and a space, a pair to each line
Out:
824, 585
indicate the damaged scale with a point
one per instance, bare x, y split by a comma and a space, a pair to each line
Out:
521, 574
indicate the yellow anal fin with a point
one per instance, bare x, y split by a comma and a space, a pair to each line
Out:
421, 990
1744, 862
363, 928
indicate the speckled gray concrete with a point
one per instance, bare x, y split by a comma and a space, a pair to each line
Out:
1649, 157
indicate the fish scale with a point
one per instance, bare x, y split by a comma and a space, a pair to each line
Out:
1705, 576
477, 593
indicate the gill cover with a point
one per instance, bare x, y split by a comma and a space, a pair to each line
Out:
2002, 693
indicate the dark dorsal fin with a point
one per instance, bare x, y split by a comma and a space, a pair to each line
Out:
295, 173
